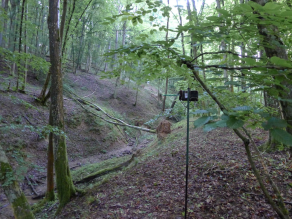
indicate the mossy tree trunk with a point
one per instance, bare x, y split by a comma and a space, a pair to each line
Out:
65, 185
15, 196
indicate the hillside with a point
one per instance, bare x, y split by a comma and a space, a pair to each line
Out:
24, 135
221, 183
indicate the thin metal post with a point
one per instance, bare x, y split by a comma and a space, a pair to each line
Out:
187, 157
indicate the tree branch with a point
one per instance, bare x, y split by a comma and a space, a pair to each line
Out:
229, 52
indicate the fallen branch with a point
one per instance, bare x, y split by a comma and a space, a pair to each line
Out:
31, 186
112, 120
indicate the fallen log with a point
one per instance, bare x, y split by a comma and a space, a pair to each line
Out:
107, 170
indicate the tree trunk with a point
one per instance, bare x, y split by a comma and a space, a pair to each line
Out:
277, 48
15, 196
4, 6
65, 185
109, 48
180, 24
166, 81
223, 45
41, 97
115, 60
68, 27
193, 47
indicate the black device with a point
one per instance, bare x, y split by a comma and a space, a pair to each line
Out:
183, 95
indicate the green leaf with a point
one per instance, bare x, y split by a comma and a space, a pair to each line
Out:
134, 21
224, 117
140, 20
282, 136
209, 127
213, 18
285, 100
245, 7
242, 108
271, 6
235, 83
286, 14
274, 123
223, 12
202, 121
250, 61
234, 123
221, 123
281, 62
212, 110
199, 112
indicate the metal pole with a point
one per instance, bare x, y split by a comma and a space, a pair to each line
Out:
187, 157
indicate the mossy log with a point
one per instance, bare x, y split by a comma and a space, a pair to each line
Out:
107, 170
15, 196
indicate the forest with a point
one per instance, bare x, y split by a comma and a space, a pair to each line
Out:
93, 124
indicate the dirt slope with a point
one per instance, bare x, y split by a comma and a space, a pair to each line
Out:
89, 139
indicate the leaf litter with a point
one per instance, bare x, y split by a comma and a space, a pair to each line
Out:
221, 183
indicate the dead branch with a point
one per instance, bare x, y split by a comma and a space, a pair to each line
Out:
31, 186
112, 120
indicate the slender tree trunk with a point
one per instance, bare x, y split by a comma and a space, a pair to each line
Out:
25, 51
223, 44
123, 76
136, 99
204, 73
166, 81
42, 95
65, 186
15, 196
68, 27
4, 6
109, 48
193, 47
180, 24
242, 51
115, 60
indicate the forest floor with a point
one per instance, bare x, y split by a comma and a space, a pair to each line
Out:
221, 183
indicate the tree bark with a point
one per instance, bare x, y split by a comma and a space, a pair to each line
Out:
65, 186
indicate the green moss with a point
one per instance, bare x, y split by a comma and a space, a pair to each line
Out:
65, 186
92, 168
22, 208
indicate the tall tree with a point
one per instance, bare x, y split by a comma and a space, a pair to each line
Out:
65, 185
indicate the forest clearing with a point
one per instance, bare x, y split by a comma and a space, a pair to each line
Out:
100, 118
